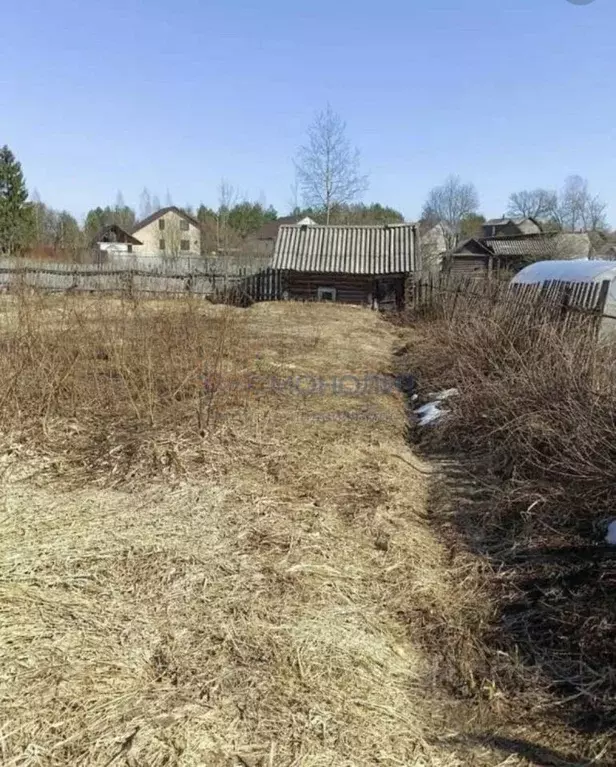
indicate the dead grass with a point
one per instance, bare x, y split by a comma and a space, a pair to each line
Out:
533, 429
214, 574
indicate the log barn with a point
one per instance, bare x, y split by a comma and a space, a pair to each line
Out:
365, 265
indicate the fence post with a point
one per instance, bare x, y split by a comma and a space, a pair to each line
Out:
600, 307
565, 302
128, 283
455, 300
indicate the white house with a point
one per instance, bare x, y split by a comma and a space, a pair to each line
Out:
168, 233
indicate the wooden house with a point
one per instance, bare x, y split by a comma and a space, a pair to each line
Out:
510, 253
498, 227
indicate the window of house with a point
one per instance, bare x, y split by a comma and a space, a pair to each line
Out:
161, 224
185, 245
184, 225
130, 247
161, 244
326, 294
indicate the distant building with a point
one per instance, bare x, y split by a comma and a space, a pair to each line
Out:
113, 241
168, 233
499, 227
513, 252
263, 240
435, 241
351, 264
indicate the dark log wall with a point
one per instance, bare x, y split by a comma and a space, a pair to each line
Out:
464, 264
350, 288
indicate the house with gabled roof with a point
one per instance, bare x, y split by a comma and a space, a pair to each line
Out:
510, 253
498, 227
112, 241
350, 264
169, 232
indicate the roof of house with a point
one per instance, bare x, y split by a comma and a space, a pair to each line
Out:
465, 248
269, 231
388, 249
517, 221
159, 213
118, 231
535, 245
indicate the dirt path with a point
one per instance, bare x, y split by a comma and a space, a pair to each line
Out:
265, 609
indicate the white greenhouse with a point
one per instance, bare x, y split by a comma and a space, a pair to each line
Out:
592, 285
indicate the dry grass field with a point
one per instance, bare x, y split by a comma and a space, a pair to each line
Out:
201, 564
217, 550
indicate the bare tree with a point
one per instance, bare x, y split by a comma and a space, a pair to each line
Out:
578, 208
327, 166
145, 204
594, 215
572, 203
227, 197
533, 203
294, 195
173, 238
450, 204
156, 203
573, 209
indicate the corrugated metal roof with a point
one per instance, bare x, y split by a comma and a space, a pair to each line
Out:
346, 249
522, 245
566, 271
503, 221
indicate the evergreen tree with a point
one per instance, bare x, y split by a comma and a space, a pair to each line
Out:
248, 217
97, 218
16, 221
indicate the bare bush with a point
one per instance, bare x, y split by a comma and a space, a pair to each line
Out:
536, 412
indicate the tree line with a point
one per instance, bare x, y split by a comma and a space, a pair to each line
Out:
29, 224
574, 208
329, 186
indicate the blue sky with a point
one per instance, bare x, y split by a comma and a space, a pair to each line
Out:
110, 95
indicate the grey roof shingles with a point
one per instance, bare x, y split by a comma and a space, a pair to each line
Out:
524, 245
503, 221
346, 249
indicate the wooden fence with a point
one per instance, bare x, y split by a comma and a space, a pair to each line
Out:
451, 297
261, 285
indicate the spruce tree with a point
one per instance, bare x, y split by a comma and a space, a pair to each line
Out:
15, 212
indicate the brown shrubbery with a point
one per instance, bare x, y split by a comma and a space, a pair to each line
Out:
105, 382
535, 425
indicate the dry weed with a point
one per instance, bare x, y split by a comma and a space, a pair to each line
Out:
536, 415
